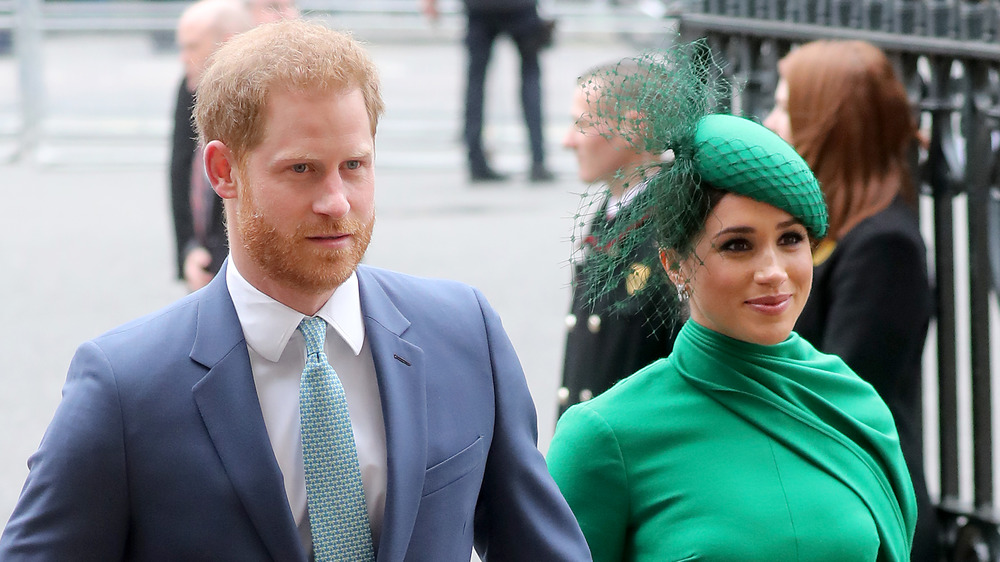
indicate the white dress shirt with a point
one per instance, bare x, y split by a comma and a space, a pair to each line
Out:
277, 358
612, 206
616, 204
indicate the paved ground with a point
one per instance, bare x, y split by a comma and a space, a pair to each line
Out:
85, 239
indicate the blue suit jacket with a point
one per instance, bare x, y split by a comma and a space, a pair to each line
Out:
158, 450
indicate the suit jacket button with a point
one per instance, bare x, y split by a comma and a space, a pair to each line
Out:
570, 322
586, 394
594, 323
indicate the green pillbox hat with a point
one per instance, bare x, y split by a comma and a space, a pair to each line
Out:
743, 157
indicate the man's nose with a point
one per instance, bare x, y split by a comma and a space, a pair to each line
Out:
332, 199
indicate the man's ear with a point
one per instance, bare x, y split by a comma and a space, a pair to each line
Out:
633, 129
221, 170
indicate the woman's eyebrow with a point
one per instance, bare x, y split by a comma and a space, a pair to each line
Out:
742, 229
734, 230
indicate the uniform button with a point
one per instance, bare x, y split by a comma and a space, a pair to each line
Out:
563, 395
585, 395
594, 323
570, 322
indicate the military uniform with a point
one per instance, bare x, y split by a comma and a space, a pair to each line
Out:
606, 342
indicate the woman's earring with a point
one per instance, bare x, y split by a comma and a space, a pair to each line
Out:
682, 292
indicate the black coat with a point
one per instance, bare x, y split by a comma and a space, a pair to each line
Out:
606, 343
183, 145
498, 5
871, 303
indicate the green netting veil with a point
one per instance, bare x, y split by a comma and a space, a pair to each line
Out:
661, 104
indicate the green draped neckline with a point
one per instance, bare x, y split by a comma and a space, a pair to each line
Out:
815, 405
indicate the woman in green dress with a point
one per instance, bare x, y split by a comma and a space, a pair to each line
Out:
745, 443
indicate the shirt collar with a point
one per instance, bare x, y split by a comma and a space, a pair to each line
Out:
268, 325
616, 204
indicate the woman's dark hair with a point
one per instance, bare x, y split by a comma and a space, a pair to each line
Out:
706, 198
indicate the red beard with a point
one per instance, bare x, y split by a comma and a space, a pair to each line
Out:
292, 260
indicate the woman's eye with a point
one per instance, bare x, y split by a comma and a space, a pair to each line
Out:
791, 238
352, 164
735, 245
300, 168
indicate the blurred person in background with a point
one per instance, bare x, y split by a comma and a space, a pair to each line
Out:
844, 109
267, 11
199, 232
485, 21
606, 341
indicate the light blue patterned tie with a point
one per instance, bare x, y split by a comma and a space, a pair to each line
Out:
335, 495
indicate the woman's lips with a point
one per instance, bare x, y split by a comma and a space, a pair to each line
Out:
770, 304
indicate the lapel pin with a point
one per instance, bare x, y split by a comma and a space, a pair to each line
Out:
401, 360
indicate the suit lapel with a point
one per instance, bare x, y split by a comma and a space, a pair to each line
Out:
227, 400
400, 372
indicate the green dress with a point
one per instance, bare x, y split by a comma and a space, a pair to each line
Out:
727, 450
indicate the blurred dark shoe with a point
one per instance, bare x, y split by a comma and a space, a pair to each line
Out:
485, 174
540, 174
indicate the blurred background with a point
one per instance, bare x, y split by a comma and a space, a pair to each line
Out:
86, 106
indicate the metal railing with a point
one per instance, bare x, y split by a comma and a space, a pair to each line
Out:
949, 59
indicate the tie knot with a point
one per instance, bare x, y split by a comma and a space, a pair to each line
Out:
314, 330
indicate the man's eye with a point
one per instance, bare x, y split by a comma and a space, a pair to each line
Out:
353, 164
300, 168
